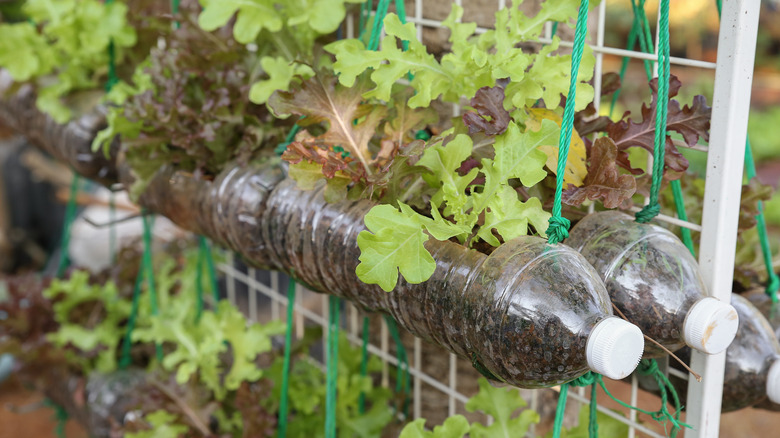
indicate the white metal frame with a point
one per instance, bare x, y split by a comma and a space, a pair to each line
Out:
733, 78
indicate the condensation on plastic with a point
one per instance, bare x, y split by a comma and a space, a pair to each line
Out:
748, 359
70, 142
649, 274
523, 313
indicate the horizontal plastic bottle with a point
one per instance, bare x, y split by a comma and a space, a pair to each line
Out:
529, 314
771, 311
653, 279
752, 373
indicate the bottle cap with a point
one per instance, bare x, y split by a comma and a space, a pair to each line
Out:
710, 325
614, 348
773, 382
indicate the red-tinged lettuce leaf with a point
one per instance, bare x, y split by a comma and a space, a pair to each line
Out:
490, 116
692, 122
351, 124
604, 182
752, 193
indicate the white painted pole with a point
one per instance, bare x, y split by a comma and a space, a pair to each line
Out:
731, 104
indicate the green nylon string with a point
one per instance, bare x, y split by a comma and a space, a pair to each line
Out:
283, 397
646, 367
632, 38
559, 225
334, 304
125, 359
70, 216
584, 380
652, 209
641, 22
365, 14
679, 204
379, 18
205, 261
773, 283
560, 409
175, 11
148, 269
61, 416
363, 364
402, 381
649, 367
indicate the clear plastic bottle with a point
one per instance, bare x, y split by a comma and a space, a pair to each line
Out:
70, 142
771, 311
752, 373
653, 279
530, 314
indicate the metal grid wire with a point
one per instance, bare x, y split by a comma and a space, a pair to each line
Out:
262, 297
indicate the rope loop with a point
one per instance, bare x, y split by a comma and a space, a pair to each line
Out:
586, 379
558, 230
648, 213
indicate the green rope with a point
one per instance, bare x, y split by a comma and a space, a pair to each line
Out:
148, 269
333, 366
379, 18
125, 359
365, 14
402, 381
773, 283
641, 22
643, 29
560, 410
363, 365
679, 204
61, 416
205, 261
283, 397
559, 225
70, 216
281, 147
175, 11
586, 379
649, 367
652, 209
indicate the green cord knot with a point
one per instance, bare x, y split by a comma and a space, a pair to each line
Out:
648, 213
586, 379
558, 230
647, 367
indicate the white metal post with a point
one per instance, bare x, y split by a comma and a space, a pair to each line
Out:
731, 104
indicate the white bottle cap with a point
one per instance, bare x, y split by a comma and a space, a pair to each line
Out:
773, 382
710, 326
614, 348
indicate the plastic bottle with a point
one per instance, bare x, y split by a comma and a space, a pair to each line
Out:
653, 279
527, 329
752, 373
771, 311
70, 142
530, 314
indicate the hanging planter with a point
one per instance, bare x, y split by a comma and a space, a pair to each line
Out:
655, 282
381, 203
752, 373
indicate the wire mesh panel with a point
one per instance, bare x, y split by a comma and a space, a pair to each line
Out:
442, 383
